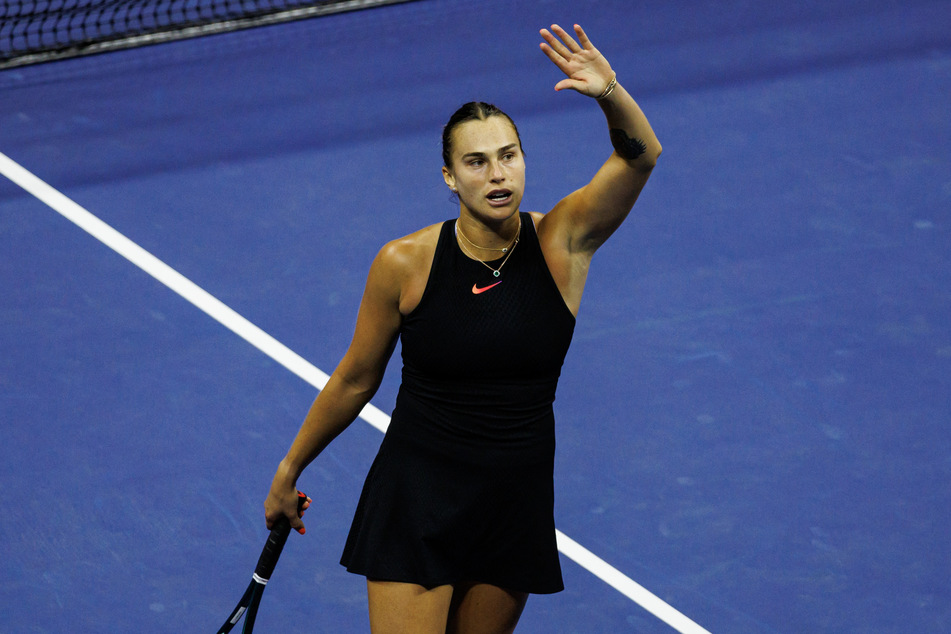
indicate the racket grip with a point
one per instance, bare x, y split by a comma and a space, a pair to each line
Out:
275, 543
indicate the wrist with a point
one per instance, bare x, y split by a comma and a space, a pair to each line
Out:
287, 473
608, 89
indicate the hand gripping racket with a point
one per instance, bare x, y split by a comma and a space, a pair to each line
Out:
248, 605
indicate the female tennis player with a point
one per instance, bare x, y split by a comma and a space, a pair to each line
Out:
454, 528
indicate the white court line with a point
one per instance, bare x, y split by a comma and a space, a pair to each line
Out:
283, 355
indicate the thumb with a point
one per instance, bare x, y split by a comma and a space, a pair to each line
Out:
568, 84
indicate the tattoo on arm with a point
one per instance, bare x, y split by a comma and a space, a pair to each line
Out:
624, 145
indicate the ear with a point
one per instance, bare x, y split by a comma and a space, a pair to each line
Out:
449, 178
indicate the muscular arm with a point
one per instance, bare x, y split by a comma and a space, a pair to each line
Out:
595, 211
580, 223
352, 384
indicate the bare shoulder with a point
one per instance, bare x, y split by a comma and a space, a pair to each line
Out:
405, 255
537, 217
404, 264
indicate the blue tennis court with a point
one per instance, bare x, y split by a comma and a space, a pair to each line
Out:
753, 420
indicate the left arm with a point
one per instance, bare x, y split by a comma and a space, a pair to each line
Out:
585, 219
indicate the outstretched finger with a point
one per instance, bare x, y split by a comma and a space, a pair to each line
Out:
569, 42
558, 59
583, 38
555, 50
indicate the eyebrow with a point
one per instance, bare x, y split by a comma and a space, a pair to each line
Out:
501, 150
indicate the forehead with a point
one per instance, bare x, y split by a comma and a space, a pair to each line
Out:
484, 136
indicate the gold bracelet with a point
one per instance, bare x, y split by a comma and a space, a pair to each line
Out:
609, 89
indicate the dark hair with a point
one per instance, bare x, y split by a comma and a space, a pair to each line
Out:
474, 110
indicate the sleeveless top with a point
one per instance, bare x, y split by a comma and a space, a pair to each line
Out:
462, 488
482, 354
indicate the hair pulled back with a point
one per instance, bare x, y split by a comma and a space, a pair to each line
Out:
472, 111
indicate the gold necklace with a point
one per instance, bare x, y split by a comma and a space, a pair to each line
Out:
503, 249
507, 250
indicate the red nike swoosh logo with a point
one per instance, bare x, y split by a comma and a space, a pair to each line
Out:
476, 290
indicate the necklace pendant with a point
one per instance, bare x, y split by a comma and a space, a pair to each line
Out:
495, 273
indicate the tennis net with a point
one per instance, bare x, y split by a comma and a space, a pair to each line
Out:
33, 31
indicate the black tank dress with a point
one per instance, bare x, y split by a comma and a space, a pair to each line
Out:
461, 489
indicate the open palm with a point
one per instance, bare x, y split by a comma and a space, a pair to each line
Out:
588, 72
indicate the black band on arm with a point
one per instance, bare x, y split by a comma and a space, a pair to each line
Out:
625, 146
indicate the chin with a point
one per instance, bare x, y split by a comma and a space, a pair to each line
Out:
493, 214
499, 214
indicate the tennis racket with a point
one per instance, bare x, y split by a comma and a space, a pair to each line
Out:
248, 605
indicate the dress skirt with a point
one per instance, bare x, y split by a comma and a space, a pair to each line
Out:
428, 518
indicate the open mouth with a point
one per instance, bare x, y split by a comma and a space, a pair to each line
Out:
499, 196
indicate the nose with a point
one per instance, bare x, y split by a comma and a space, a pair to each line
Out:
496, 173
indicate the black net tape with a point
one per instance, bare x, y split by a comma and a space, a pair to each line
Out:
38, 30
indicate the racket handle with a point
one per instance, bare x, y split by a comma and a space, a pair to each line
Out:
275, 543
